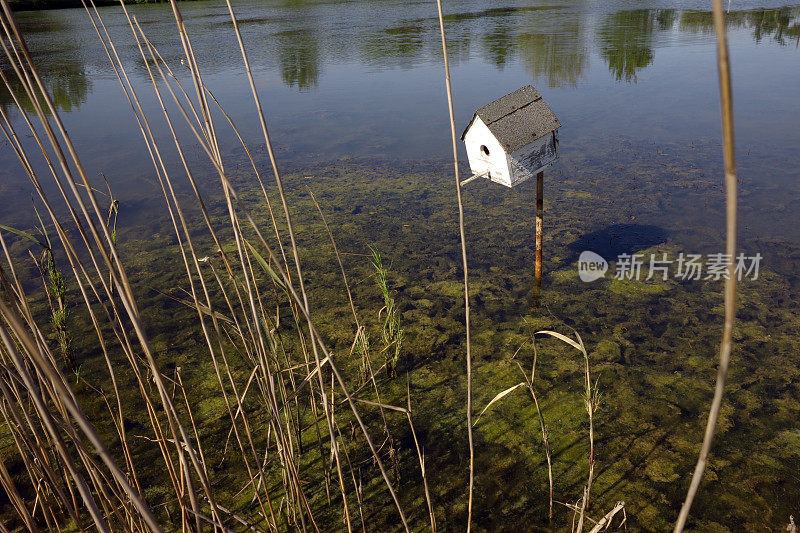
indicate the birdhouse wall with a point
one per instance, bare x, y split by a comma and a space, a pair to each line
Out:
496, 162
529, 160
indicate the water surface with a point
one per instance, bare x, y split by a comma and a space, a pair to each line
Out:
364, 79
354, 95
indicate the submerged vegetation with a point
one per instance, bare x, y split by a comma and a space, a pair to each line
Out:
654, 367
54, 285
228, 375
391, 332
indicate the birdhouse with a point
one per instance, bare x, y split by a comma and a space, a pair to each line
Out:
513, 138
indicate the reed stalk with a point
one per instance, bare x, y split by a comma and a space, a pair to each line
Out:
463, 235
278, 381
726, 107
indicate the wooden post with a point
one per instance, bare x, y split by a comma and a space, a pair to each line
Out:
537, 271
539, 205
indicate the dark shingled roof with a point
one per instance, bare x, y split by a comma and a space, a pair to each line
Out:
517, 119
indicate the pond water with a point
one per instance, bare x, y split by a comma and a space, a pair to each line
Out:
354, 97
364, 79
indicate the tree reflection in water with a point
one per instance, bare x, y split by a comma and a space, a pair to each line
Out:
68, 85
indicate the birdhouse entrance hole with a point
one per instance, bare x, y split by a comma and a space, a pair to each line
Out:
484, 150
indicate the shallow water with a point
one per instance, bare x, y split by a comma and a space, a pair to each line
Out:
354, 96
352, 79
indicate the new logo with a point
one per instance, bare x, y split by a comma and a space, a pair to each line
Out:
591, 266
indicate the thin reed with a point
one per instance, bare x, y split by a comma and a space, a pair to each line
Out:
306, 431
294, 400
464, 262
726, 107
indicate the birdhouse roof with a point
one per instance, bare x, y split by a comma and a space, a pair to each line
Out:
517, 119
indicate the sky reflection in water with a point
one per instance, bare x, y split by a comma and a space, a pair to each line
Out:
364, 79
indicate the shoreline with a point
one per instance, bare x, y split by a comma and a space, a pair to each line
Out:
42, 5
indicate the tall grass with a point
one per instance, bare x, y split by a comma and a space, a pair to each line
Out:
285, 407
298, 423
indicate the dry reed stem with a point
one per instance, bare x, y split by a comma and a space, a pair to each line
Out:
590, 403
219, 165
315, 339
726, 105
605, 522
462, 233
11, 23
196, 305
420, 457
213, 151
108, 255
78, 276
283, 447
15, 323
545, 434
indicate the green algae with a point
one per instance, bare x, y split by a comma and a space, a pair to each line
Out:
652, 345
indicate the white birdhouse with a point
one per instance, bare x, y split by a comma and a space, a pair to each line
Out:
513, 138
